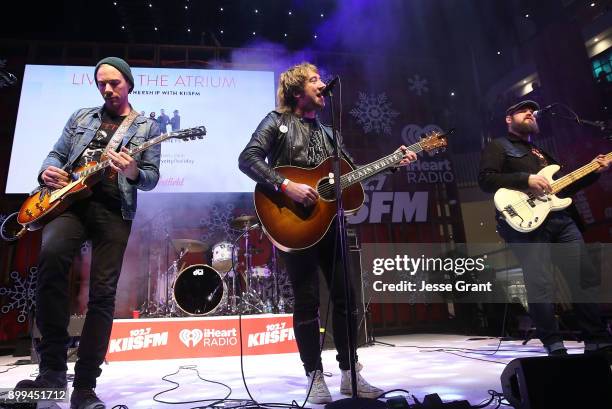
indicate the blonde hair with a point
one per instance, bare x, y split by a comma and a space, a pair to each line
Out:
290, 83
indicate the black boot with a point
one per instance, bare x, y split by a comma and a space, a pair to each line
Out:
47, 378
85, 398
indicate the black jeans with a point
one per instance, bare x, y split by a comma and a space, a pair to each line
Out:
303, 270
557, 242
62, 238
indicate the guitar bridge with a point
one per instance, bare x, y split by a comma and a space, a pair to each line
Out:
512, 213
510, 210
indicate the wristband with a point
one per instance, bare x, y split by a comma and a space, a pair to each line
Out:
283, 185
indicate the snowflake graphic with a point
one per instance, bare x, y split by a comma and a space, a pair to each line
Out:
6, 78
418, 85
160, 224
21, 294
217, 220
374, 113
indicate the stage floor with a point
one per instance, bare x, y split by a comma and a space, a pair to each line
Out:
417, 363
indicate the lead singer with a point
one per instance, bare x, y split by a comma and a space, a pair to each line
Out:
293, 135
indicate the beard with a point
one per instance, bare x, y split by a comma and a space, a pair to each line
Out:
525, 127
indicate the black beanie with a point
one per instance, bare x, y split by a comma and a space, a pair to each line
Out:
120, 65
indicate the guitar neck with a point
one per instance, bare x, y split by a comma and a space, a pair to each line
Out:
375, 167
106, 163
576, 175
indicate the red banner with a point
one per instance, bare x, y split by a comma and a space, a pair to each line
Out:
170, 338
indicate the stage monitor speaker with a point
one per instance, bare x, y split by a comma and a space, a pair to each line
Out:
573, 381
354, 256
75, 328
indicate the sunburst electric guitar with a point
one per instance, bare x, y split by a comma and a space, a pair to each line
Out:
525, 211
292, 226
45, 204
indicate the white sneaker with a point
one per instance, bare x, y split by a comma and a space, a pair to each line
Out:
364, 389
319, 393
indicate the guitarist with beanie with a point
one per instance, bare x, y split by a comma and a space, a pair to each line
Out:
105, 218
514, 162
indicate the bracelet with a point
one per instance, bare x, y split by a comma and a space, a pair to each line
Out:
284, 185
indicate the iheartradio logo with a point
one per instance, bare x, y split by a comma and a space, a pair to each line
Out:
191, 336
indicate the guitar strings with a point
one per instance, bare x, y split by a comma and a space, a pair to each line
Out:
330, 188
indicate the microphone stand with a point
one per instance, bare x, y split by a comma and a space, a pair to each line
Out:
601, 125
354, 401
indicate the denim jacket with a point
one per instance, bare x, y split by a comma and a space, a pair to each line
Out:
80, 130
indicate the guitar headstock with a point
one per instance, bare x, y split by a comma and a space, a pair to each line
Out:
435, 141
189, 134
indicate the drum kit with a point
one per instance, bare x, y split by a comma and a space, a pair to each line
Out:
242, 277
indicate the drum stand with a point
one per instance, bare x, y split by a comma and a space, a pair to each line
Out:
169, 308
250, 301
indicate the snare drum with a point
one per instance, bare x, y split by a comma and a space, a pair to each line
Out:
199, 290
222, 256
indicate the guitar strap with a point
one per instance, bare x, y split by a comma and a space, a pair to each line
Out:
112, 144
120, 133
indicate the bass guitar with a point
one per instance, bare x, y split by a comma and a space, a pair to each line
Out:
526, 211
46, 204
292, 226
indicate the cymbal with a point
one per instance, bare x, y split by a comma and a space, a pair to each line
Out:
243, 222
190, 245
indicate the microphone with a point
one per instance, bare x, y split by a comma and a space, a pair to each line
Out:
538, 114
330, 86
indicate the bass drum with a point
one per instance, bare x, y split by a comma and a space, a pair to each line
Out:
199, 290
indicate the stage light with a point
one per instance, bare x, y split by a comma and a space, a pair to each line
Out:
220, 8
526, 15
253, 32
315, 36
593, 4
290, 13
155, 28
185, 7
150, 5
285, 34
452, 94
221, 31
114, 3
189, 30
524, 81
322, 15
256, 11
595, 39
499, 53
123, 27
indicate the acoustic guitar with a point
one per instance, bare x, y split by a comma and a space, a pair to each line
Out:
292, 226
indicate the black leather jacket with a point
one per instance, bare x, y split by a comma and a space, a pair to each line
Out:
508, 162
281, 141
